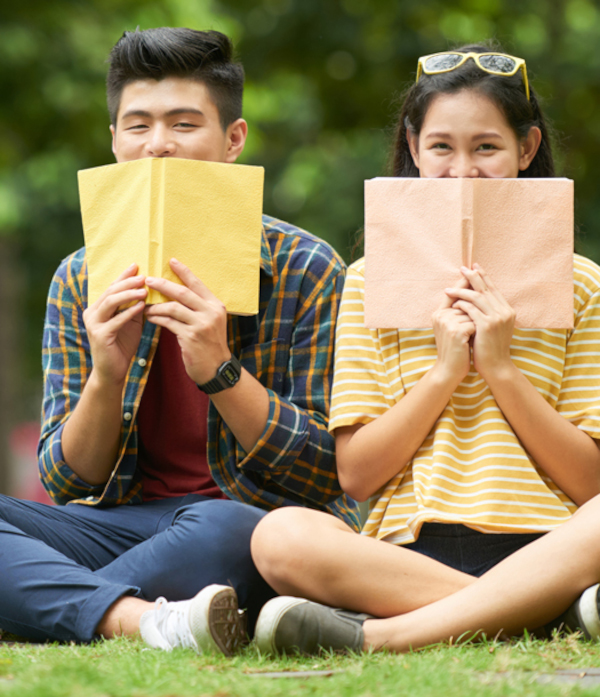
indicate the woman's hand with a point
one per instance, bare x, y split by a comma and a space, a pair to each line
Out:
453, 329
494, 321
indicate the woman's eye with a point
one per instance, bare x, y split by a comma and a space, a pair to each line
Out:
487, 146
440, 146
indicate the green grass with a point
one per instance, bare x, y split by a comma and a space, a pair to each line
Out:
122, 667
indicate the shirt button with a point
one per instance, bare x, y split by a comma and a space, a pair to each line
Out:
142, 362
127, 416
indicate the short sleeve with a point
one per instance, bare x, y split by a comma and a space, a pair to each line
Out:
579, 397
366, 382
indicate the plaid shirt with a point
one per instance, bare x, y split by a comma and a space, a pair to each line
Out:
288, 347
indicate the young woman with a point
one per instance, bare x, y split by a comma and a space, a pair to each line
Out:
474, 441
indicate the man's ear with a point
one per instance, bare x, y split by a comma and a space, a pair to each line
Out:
413, 145
114, 135
236, 133
529, 147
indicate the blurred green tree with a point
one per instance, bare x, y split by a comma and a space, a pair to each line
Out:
323, 83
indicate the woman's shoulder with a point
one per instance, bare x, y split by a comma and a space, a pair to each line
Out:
586, 274
357, 268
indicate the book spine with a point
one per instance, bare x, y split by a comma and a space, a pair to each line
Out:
156, 227
468, 243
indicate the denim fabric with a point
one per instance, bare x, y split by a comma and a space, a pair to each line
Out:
62, 567
467, 550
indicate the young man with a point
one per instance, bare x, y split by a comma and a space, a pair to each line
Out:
169, 430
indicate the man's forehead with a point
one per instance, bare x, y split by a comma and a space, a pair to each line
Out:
172, 94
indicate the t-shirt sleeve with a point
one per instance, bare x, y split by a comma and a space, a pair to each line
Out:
362, 388
579, 397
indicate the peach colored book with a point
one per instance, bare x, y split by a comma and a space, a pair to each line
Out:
418, 232
206, 214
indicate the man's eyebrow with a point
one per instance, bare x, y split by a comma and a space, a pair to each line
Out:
185, 110
171, 112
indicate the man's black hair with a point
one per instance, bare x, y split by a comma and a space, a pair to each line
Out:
156, 54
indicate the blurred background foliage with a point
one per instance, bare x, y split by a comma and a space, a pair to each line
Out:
323, 82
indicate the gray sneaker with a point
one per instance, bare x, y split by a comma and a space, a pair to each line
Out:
209, 622
583, 616
296, 625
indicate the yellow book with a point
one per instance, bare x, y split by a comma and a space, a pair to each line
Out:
207, 215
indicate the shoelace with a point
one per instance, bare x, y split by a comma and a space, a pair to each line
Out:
172, 622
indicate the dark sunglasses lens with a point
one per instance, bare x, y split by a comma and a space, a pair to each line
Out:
446, 61
498, 63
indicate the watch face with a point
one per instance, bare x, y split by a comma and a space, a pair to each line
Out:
230, 375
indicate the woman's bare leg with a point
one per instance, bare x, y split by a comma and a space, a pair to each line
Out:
314, 555
526, 590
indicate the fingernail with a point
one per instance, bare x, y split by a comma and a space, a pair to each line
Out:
175, 261
150, 279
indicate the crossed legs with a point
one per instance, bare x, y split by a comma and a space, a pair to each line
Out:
72, 573
421, 601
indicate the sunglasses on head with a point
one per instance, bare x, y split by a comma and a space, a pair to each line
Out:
492, 62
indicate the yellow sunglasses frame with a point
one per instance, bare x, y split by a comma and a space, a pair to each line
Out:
519, 65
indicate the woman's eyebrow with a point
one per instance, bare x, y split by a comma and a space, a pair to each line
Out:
490, 134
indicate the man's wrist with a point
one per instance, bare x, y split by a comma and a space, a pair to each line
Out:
228, 374
107, 388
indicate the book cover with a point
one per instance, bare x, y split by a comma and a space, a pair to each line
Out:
206, 214
418, 232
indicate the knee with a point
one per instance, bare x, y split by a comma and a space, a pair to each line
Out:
282, 541
222, 518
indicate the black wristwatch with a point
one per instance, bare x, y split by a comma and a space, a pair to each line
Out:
227, 376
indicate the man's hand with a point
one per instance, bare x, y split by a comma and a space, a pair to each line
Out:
196, 317
114, 336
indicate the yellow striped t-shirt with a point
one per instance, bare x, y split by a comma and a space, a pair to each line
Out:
471, 469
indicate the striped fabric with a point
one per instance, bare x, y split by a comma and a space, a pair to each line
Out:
288, 347
471, 469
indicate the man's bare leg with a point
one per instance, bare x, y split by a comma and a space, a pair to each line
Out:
123, 617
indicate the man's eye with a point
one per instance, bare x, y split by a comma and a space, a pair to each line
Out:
136, 127
185, 124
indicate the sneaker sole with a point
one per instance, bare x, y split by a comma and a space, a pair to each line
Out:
268, 621
216, 622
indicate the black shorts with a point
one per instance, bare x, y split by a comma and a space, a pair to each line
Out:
468, 550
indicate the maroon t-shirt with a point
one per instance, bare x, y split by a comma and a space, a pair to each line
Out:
172, 429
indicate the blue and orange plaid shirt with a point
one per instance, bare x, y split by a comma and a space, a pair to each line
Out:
288, 347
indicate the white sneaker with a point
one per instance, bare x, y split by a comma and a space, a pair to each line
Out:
209, 622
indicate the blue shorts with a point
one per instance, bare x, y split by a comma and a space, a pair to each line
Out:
467, 550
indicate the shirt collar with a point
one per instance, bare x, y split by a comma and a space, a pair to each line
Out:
266, 260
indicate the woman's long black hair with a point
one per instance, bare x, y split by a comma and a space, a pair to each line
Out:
507, 93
